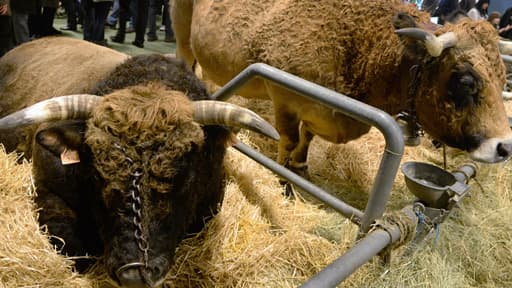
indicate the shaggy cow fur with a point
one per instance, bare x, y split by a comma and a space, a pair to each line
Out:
145, 130
353, 49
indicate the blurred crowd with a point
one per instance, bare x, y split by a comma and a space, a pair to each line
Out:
452, 10
24, 20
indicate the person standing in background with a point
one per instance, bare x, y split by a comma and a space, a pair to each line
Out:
140, 22
505, 28
72, 12
445, 8
95, 15
479, 12
429, 6
20, 11
466, 5
155, 6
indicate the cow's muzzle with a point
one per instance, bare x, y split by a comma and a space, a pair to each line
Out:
137, 275
493, 150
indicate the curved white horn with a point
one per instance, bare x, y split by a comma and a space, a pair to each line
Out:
211, 112
78, 106
505, 47
434, 44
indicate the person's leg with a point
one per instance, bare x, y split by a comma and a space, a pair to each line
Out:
20, 27
114, 15
34, 21
141, 23
154, 6
47, 22
86, 7
100, 15
5, 34
69, 6
169, 34
79, 13
124, 13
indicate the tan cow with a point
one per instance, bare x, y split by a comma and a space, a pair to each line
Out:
449, 78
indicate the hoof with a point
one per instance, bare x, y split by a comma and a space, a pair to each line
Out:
300, 169
288, 190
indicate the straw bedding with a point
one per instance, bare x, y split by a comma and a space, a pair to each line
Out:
261, 239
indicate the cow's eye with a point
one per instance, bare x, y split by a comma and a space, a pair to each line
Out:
464, 87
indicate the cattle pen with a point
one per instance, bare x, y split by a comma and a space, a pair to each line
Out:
370, 243
368, 246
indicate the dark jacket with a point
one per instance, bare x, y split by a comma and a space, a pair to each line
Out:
24, 6
445, 8
505, 20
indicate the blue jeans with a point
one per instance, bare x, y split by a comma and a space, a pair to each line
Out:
154, 7
114, 15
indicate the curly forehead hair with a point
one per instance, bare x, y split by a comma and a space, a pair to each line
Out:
143, 128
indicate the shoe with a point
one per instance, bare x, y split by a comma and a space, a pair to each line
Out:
117, 39
101, 42
138, 43
130, 30
112, 26
50, 32
152, 38
68, 28
170, 39
162, 28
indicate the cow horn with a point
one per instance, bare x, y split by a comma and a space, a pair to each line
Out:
434, 44
79, 106
505, 47
211, 112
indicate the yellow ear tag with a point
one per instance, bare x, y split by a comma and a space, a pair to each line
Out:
69, 157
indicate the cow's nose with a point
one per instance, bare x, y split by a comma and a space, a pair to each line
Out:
135, 275
504, 149
131, 277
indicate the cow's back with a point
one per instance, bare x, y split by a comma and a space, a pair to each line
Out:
314, 39
46, 68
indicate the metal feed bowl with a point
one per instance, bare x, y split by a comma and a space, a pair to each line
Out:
428, 182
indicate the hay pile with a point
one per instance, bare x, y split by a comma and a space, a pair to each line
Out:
26, 257
261, 239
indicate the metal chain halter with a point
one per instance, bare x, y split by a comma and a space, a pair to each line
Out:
136, 205
142, 242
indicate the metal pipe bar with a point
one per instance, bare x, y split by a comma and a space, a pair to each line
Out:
346, 210
365, 249
360, 111
350, 261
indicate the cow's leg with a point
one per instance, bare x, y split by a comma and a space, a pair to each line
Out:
181, 17
287, 124
298, 158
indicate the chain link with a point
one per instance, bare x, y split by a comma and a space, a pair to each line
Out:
135, 192
137, 216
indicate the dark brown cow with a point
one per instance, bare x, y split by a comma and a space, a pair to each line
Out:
448, 78
144, 170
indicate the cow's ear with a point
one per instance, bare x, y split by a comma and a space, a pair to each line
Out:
231, 140
62, 141
403, 20
464, 86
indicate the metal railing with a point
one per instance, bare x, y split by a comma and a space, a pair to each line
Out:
378, 239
